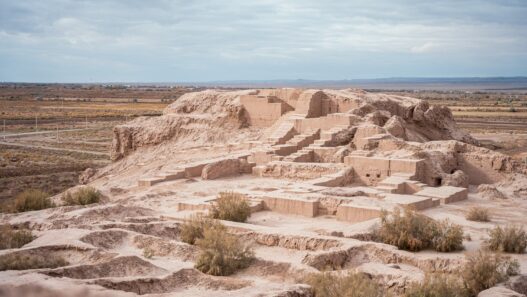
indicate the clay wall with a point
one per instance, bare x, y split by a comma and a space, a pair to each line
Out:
286, 205
370, 171
324, 123
354, 214
261, 110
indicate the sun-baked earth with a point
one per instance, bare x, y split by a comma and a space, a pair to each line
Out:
318, 166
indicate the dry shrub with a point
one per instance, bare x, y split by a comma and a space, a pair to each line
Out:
148, 253
231, 206
478, 214
222, 253
194, 227
511, 239
448, 237
24, 262
326, 284
83, 196
484, 270
415, 232
438, 285
13, 239
31, 200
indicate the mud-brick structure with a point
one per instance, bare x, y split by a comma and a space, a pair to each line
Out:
391, 151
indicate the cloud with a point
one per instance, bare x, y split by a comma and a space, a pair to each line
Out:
200, 40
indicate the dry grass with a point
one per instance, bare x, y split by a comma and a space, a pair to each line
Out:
83, 196
193, 228
29, 200
414, 232
13, 239
478, 214
24, 262
437, 285
511, 239
231, 206
484, 270
222, 253
352, 285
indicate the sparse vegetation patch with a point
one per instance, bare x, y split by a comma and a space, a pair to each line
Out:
510, 239
484, 270
13, 239
231, 206
83, 196
23, 262
414, 232
222, 253
478, 214
29, 200
326, 284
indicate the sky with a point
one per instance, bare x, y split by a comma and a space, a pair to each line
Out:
221, 40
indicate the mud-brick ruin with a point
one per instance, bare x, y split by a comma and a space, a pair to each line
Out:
317, 166
350, 154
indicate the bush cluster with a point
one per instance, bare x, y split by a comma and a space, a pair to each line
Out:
482, 270
414, 232
13, 239
28, 261
326, 284
222, 253
231, 206
511, 239
29, 200
193, 228
478, 214
437, 285
83, 196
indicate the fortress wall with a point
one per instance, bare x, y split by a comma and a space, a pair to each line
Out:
371, 171
308, 208
354, 214
481, 170
310, 104
324, 123
261, 111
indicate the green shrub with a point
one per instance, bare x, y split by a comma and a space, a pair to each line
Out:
193, 228
415, 232
326, 284
28, 261
222, 253
13, 239
448, 237
83, 196
484, 270
231, 206
31, 200
478, 214
437, 285
511, 239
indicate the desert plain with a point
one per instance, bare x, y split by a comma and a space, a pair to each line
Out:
320, 169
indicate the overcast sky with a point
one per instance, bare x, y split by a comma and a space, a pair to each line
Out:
188, 40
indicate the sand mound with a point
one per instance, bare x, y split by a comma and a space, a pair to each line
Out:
163, 248
182, 279
105, 239
163, 230
117, 267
